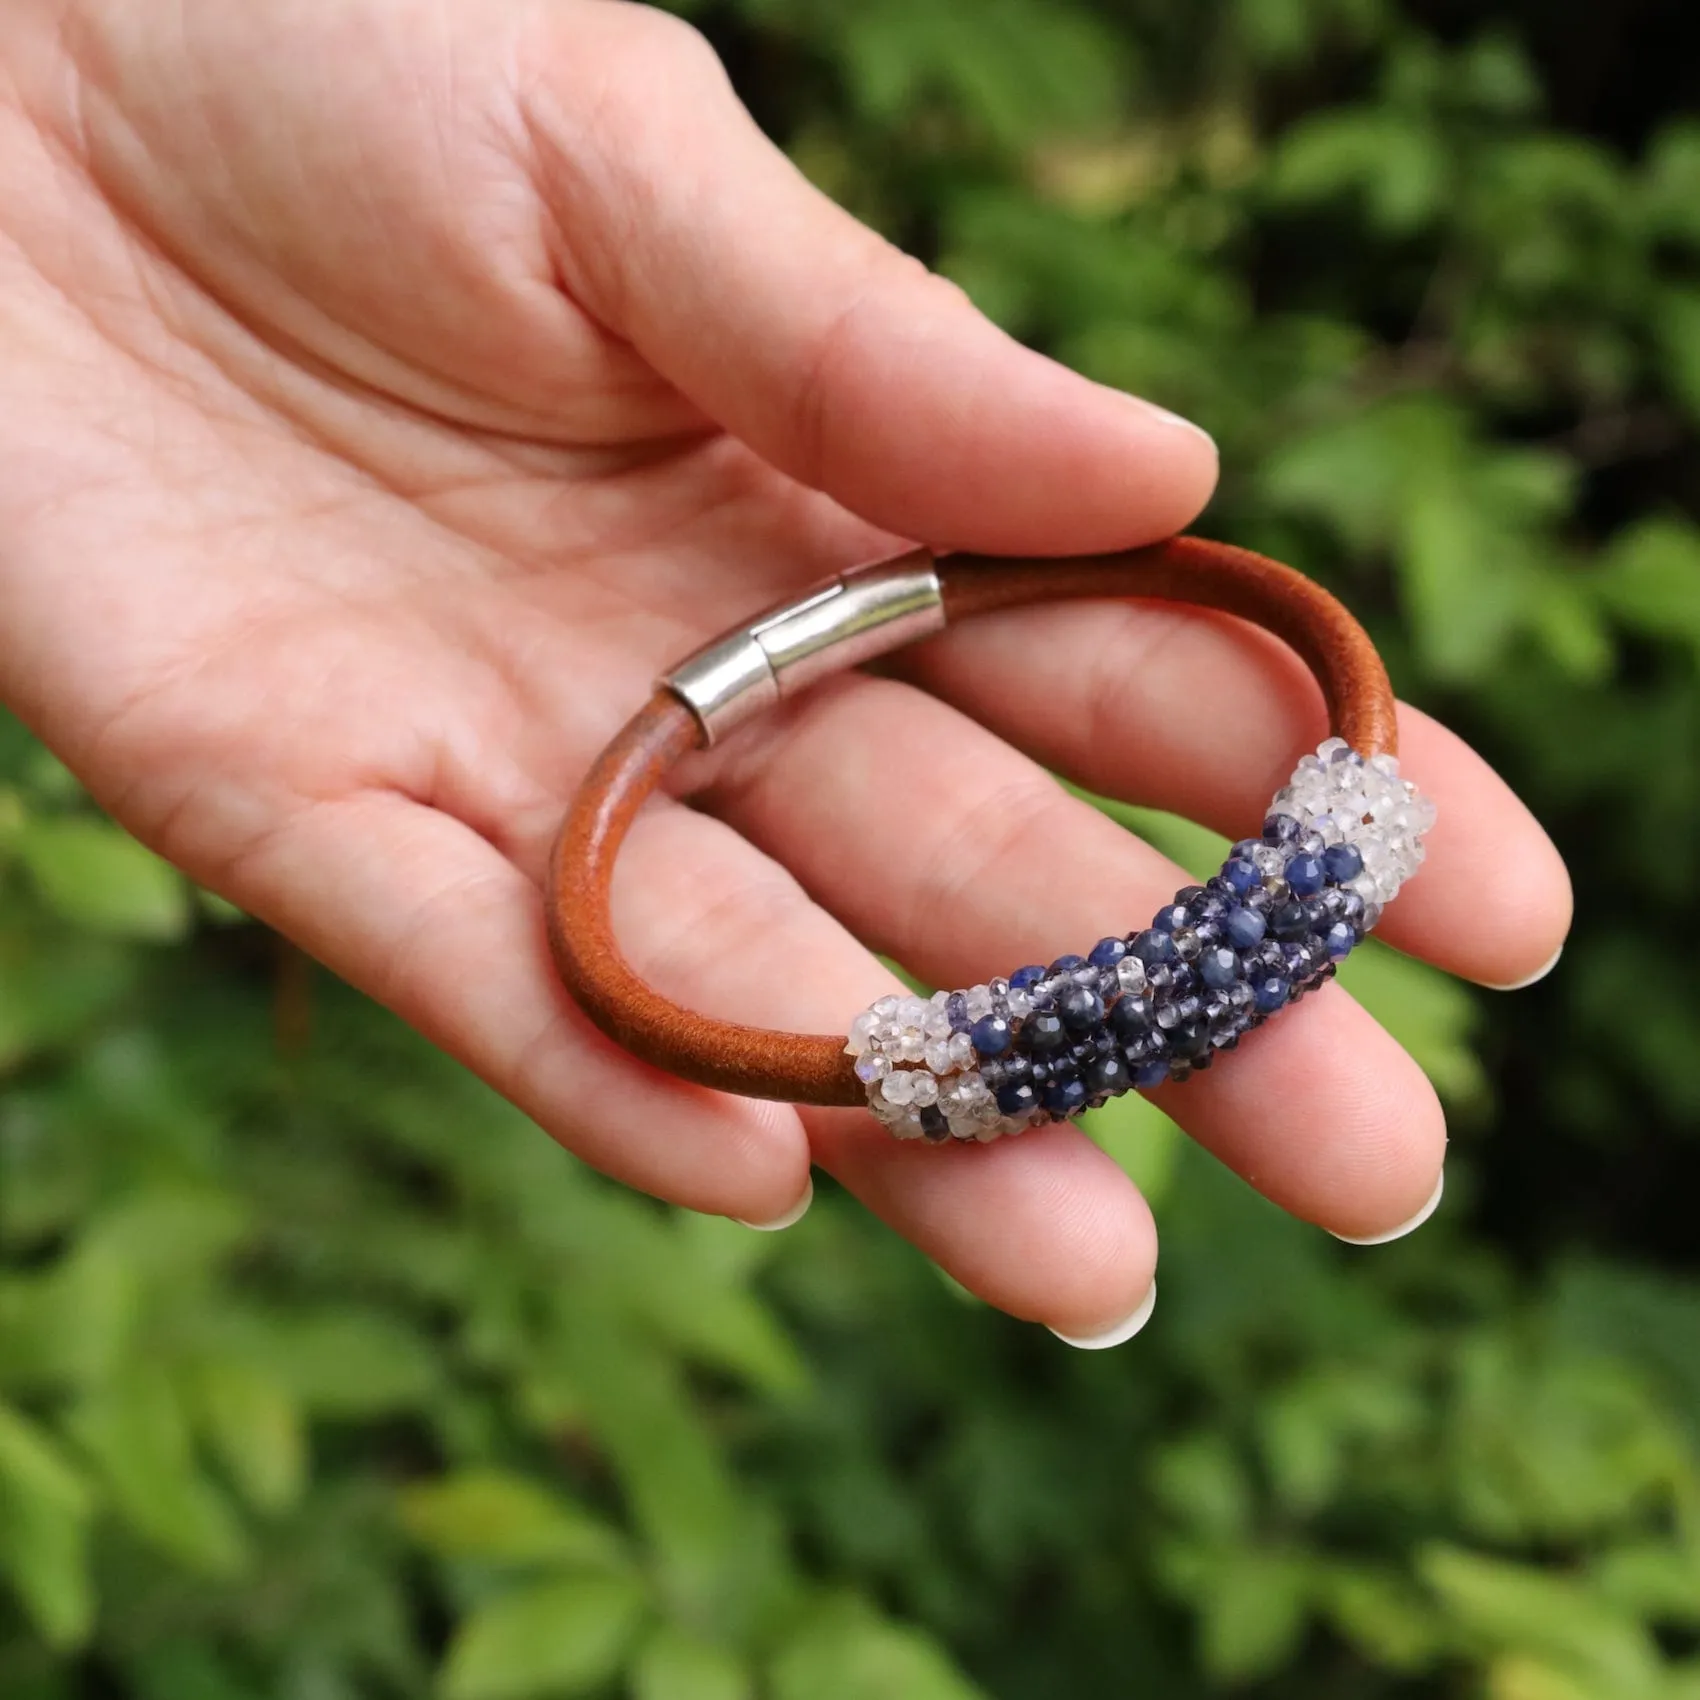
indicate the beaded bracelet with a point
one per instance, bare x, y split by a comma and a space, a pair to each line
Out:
1047, 1042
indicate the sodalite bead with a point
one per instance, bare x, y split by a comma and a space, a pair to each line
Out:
1219, 968
1152, 947
1342, 862
1304, 875
1244, 928
1267, 929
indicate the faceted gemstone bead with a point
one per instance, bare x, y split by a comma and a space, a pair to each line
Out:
1269, 992
1152, 1073
1130, 974
992, 1035
1171, 917
1106, 1075
1080, 1008
956, 1012
1281, 829
1187, 944
1191, 1039
1031, 975
1130, 1017
1304, 875
1342, 862
933, 1125
1043, 1032
1153, 947
1240, 875
1067, 964
1064, 1097
1218, 967
1288, 920
1106, 953
1340, 938
1017, 1098
1244, 928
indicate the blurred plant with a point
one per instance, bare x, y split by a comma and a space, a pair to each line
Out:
322, 1374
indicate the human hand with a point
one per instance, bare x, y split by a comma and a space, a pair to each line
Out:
392, 389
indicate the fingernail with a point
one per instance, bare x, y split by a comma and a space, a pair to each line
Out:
791, 1217
1404, 1228
1116, 1335
1539, 974
1162, 416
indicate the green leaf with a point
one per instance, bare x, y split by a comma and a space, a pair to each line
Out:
562, 1637
1253, 1612
352, 1362
1516, 1609
135, 1430
254, 1424
677, 1666
843, 1650
491, 1514
44, 1509
1650, 578
1393, 161
96, 876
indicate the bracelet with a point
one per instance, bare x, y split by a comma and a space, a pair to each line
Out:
1048, 1041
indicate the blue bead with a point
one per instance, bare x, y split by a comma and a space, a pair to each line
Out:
1106, 953
1288, 920
1064, 1097
1171, 917
1269, 992
1244, 928
1339, 939
1130, 1016
1022, 978
1017, 1098
934, 1128
1151, 1073
1067, 964
991, 1035
1043, 1031
1152, 947
956, 1012
1342, 862
1106, 1075
1304, 875
1281, 829
1080, 1008
1241, 876
1218, 968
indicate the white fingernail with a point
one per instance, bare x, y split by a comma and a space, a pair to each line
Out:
791, 1217
1404, 1228
1539, 974
1120, 1332
1162, 416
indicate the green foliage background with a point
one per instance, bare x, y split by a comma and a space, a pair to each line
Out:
324, 1375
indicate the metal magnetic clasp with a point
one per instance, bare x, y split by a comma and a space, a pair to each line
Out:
850, 619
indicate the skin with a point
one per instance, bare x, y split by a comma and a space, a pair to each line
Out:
392, 389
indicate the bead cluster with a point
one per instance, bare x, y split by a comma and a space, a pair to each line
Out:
1340, 839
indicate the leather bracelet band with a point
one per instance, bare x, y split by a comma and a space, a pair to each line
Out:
1049, 1041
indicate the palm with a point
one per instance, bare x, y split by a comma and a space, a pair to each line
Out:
392, 477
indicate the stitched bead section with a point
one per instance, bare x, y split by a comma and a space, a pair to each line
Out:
1157, 1005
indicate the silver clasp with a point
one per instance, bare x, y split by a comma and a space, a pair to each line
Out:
850, 619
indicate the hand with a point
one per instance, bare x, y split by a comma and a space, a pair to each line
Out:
393, 388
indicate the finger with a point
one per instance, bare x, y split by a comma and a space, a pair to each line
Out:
1084, 687
418, 911
839, 359
947, 849
1052, 1231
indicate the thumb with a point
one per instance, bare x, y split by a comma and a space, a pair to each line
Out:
838, 358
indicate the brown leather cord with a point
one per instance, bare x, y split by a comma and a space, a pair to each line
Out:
813, 1068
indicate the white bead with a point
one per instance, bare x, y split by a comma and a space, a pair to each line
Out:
1130, 975
898, 1088
924, 1090
961, 1050
872, 1067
